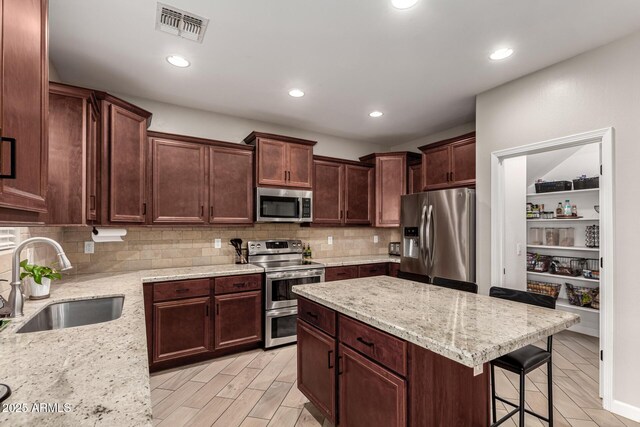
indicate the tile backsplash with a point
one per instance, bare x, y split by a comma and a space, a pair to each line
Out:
161, 247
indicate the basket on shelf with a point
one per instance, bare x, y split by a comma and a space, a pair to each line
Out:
538, 263
591, 269
544, 288
586, 183
567, 266
582, 296
552, 186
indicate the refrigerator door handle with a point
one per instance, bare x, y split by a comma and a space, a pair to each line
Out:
431, 236
423, 235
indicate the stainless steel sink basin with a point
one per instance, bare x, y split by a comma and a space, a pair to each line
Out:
68, 314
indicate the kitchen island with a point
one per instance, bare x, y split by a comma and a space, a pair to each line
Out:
388, 351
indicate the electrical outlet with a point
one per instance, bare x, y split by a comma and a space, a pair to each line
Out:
330, 240
217, 243
375, 239
89, 247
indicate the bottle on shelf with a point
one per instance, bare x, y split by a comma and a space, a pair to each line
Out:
567, 208
559, 209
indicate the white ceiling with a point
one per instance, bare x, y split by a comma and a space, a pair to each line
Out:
421, 67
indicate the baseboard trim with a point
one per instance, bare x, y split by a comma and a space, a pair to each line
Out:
626, 410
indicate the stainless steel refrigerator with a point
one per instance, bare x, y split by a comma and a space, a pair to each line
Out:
438, 234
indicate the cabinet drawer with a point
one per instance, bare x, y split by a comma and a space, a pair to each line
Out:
379, 346
317, 315
369, 270
181, 289
340, 273
230, 284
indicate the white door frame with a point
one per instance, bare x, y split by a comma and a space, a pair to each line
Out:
605, 138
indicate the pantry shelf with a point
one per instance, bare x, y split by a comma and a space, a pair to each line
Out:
564, 303
565, 248
558, 276
553, 193
563, 220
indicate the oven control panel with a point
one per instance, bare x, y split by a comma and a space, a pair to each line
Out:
266, 247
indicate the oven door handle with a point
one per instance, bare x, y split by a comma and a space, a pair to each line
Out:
282, 312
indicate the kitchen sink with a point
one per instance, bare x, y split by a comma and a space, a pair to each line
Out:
69, 314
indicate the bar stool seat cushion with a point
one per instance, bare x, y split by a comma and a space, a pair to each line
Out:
524, 359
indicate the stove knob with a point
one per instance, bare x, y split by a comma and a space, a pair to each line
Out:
258, 245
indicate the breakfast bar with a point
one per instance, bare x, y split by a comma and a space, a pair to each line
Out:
393, 352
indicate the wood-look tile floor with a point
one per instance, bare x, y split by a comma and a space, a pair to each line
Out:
258, 388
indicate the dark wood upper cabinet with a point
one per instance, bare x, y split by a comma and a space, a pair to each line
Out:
369, 395
282, 161
328, 192
415, 179
390, 185
316, 368
178, 181
24, 92
181, 328
93, 178
73, 118
449, 163
231, 185
124, 147
238, 319
358, 194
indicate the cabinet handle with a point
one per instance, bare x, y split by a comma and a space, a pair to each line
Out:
451, 176
329, 359
182, 290
240, 285
211, 211
202, 210
12, 158
342, 273
347, 213
339, 365
362, 340
310, 314
340, 213
144, 209
92, 202
289, 175
207, 310
217, 309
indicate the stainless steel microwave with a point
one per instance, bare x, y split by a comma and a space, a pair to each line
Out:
283, 205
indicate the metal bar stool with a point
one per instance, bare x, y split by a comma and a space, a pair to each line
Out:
524, 360
458, 285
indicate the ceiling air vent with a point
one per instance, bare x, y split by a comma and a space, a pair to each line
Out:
180, 23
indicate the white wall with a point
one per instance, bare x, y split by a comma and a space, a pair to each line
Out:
594, 90
187, 121
435, 137
53, 73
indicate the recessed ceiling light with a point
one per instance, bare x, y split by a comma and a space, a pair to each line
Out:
376, 114
501, 54
296, 93
178, 61
403, 4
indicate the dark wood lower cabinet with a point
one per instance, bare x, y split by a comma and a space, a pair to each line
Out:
369, 395
316, 368
238, 319
181, 328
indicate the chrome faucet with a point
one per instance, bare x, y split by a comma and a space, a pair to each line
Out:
16, 299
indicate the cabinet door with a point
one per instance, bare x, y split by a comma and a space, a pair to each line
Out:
415, 179
127, 140
272, 162
93, 147
231, 186
391, 185
358, 194
463, 162
327, 193
300, 165
180, 328
316, 368
178, 182
24, 103
67, 141
238, 320
436, 164
370, 395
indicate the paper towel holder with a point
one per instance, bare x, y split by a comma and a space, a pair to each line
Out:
108, 234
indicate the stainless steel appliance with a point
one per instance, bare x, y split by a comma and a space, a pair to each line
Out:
284, 268
438, 234
283, 205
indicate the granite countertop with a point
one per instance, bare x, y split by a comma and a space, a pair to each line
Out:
101, 371
470, 329
357, 260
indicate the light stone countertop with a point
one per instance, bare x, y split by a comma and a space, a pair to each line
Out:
470, 329
101, 370
357, 260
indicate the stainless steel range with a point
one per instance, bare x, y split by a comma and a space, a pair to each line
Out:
284, 268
